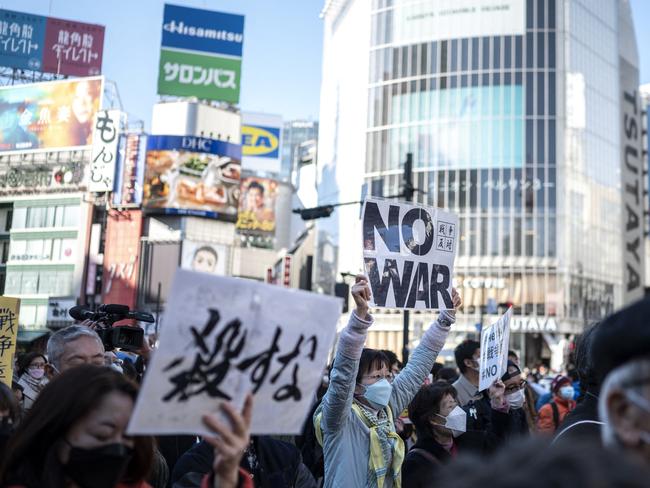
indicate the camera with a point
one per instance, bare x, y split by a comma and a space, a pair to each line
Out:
124, 337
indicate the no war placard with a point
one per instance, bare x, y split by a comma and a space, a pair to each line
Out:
408, 253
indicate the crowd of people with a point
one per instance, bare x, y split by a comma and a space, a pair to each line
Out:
375, 422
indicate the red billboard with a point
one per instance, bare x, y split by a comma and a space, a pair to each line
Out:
121, 257
72, 48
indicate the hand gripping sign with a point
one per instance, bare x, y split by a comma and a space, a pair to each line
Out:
494, 351
408, 254
224, 337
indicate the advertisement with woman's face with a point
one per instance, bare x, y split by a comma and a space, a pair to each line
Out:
51, 115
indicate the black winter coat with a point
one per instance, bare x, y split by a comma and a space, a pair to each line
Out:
582, 423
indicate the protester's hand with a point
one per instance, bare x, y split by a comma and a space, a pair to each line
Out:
361, 294
497, 393
231, 443
456, 300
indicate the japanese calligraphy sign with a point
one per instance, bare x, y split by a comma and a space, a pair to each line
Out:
408, 254
49, 115
9, 309
201, 54
494, 351
224, 337
106, 138
50, 45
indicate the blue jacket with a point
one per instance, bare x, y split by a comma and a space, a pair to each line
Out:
346, 439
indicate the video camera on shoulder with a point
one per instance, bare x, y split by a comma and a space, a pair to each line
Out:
124, 337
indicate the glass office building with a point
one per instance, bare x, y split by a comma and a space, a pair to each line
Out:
511, 110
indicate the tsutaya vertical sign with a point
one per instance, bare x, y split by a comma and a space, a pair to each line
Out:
9, 308
631, 183
105, 142
494, 351
408, 253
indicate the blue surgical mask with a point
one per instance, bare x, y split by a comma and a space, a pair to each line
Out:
567, 392
378, 394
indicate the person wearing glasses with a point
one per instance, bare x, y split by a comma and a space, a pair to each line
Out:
355, 422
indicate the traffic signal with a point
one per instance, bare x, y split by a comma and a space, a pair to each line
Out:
315, 213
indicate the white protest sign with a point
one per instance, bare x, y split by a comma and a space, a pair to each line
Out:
408, 254
224, 337
494, 351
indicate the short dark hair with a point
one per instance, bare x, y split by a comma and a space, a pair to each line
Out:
255, 185
31, 454
8, 403
585, 361
435, 369
25, 360
426, 404
450, 375
465, 350
563, 465
371, 359
392, 358
513, 353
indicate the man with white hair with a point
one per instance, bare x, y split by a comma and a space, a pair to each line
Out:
73, 346
621, 350
624, 408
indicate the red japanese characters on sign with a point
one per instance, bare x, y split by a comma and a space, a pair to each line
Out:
73, 48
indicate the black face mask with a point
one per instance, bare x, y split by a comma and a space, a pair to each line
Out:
100, 467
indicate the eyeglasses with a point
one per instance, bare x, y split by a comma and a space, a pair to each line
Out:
377, 377
36, 366
516, 388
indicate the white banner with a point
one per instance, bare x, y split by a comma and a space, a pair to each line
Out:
224, 337
433, 20
408, 254
106, 136
494, 351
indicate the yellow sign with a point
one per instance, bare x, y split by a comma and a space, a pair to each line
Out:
260, 141
9, 308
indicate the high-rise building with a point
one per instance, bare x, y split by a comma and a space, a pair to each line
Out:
523, 118
295, 133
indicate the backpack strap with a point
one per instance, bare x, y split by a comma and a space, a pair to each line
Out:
426, 455
556, 415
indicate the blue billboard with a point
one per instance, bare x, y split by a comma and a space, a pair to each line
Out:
469, 127
22, 37
203, 30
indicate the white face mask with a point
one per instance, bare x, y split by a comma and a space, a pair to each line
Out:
516, 400
456, 421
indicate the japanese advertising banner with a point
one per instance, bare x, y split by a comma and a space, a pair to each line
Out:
225, 337
205, 257
261, 142
50, 45
106, 138
408, 254
201, 54
9, 310
66, 176
121, 257
193, 176
257, 206
495, 340
52, 115
130, 171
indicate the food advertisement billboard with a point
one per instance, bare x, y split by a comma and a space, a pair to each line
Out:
192, 176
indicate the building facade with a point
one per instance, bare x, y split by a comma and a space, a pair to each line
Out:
514, 112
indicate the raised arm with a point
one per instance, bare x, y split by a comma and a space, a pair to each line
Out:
337, 402
410, 380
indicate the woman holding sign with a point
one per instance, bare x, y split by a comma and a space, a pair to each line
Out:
355, 422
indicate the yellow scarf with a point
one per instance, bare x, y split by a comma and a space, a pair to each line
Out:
376, 462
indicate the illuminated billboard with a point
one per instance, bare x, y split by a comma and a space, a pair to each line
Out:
46, 116
188, 175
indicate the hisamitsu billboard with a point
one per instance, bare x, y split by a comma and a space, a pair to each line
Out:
201, 54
